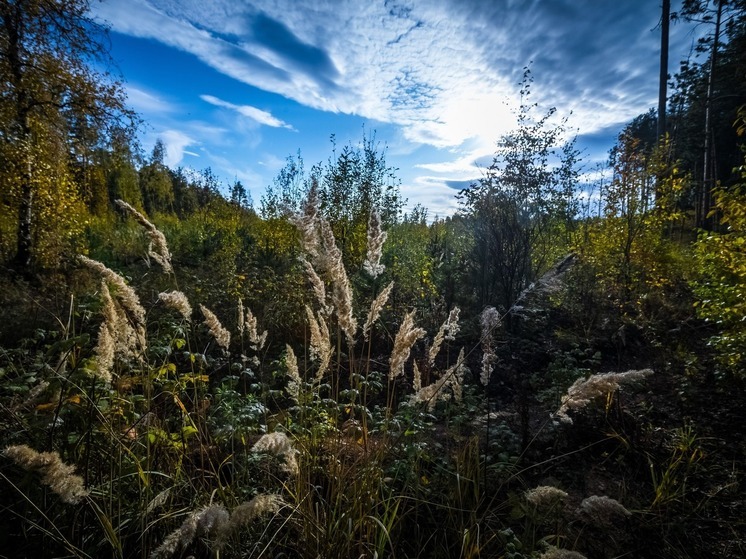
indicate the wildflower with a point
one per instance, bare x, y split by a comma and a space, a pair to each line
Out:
583, 391
55, 473
376, 307
602, 511
278, 444
209, 521
158, 249
295, 381
545, 496
321, 345
221, 335
376, 238
405, 339
178, 301
447, 331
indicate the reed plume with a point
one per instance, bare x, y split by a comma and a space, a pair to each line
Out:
447, 331
211, 521
158, 248
376, 307
251, 327
436, 391
295, 382
488, 321
278, 444
221, 335
177, 301
321, 345
583, 391
405, 339
307, 222
376, 239
55, 473
341, 289
319, 289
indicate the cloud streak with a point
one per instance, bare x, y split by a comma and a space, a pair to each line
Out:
257, 115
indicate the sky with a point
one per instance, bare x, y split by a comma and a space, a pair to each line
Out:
240, 85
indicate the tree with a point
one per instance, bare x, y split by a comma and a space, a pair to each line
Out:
523, 207
50, 90
155, 182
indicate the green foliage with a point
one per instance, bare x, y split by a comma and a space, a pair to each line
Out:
720, 286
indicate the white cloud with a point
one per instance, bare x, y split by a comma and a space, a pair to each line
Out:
144, 101
176, 143
444, 72
257, 115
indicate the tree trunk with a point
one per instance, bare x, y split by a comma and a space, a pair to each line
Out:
708, 174
663, 84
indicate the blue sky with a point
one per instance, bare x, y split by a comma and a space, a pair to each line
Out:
238, 85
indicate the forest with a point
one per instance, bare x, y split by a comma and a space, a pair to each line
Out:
556, 371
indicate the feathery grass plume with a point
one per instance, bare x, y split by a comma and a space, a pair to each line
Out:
376, 307
321, 344
307, 222
447, 331
211, 521
416, 377
251, 327
35, 394
55, 473
121, 332
341, 289
124, 293
583, 391
178, 301
557, 553
602, 511
221, 335
241, 318
105, 350
376, 239
278, 444
158, 249
545, 496
457, 376
405, 339
489, 320
319, 289
436, 391
295, 381
258, 506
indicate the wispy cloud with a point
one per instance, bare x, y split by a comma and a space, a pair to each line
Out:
444, 73
258, 115
441, 70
